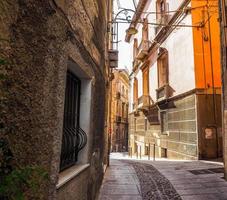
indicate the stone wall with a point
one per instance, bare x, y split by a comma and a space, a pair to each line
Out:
37, 38
180, 137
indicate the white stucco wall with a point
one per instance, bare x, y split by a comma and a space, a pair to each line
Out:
139, 77
153, 81
181, 59
131, 94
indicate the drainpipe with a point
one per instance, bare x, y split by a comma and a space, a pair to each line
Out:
212, 74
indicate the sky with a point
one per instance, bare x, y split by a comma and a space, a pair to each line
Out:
125, 52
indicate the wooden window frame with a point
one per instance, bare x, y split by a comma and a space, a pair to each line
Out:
161, 13
145, 73
163, 64
135, 90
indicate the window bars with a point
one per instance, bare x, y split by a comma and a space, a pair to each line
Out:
74, 138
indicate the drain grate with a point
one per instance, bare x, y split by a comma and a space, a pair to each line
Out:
207, 171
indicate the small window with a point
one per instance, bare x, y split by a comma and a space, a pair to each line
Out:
164, 122
74, 138
135, 124
145, 124
135, 90
163, 153
161, 7
146, 81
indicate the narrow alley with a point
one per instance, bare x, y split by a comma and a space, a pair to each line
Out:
133, 179
113, 99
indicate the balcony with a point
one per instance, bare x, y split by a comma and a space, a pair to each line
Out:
144, 102
163, 92
143, 49
152, 115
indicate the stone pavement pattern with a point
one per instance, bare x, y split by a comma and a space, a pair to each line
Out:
194, 180
153, 184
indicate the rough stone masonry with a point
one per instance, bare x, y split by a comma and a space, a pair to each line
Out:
37, 38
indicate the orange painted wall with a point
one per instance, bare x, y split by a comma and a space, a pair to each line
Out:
202, 39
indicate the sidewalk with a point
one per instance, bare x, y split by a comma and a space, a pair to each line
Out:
120, 183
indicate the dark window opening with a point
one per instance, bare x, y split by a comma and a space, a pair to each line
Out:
145, 124
74, 138
163, 153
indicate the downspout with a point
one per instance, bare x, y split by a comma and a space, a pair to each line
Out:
212, 66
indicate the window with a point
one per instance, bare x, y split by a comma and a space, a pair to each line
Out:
135, 48
123, 110
145, 30
162, 8
123, 90
163, 77
74, 138
146, 81
135, 90
145, 124
164, 121
135, 124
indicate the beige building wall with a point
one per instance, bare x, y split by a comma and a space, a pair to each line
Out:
120, 107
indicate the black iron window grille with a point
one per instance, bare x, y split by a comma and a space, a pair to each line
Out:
74, 138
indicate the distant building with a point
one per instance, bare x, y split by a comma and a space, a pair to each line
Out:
175, 99
119, 111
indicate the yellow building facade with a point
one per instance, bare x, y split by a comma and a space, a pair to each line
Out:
119, 111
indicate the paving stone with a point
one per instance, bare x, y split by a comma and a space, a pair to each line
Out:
163, 180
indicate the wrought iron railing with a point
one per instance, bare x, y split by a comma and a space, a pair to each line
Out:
74, 140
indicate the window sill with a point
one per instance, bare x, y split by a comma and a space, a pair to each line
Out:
70, 173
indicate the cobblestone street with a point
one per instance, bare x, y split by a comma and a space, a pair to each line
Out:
140, 179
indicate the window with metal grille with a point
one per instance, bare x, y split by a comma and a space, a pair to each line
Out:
74, 138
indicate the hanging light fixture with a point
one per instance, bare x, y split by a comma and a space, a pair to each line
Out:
131, 30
